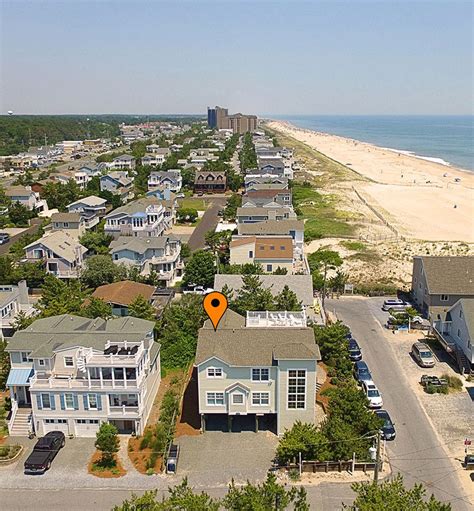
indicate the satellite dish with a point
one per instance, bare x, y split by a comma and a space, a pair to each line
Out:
10, 112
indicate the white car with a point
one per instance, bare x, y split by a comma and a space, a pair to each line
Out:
373, 395
199, 290
394, 303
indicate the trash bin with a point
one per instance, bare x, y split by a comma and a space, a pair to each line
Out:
172, 460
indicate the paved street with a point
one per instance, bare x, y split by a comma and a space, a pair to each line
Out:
418, 451
207, 223
35, 223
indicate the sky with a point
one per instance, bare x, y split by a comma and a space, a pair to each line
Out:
264, 57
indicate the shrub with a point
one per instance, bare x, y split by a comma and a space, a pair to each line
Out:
146, 440
454, 382
437, 389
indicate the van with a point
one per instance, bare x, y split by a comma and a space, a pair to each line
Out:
422, 354
392, 303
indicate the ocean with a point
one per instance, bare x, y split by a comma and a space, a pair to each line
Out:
448, 140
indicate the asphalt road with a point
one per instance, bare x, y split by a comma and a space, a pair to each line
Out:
208, 222
36, 222
417, 452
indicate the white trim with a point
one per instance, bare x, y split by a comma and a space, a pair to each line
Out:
41, 362
252, 369
288, 387
65, 401
89, 407
215, 369
72, 359
260, 398
234, 394
215, 399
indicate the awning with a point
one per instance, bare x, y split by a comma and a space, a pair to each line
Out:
19, 376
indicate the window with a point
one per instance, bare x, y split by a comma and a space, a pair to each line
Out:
459, 332
444, 298
55, 421
297, 389
282, 247
25, 356
272, 247
215, 398
87, 421
260, 398
260, 374
250, 254
237, 399
41, 362
68, 362
269, 267
460, 313
69, 400
46, 401
214, 372
92, 401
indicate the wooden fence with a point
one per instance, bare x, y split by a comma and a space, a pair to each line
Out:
331, 466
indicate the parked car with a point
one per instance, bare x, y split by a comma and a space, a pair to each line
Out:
393, 302
388, 428
422, 354
180, 196
355, 353
198, 290
361, 372
4, 238
373, 394
44, 452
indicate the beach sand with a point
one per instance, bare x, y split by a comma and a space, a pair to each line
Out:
422, 199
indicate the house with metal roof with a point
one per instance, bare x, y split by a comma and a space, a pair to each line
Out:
256, 373
70, 374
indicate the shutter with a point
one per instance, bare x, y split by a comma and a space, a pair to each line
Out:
86, 404
61, 399
99, 401
39, 403
75, 401
52, 398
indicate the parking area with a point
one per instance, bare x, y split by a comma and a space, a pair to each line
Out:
215, 458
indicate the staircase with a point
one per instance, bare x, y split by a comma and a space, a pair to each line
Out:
463, 362
21, 425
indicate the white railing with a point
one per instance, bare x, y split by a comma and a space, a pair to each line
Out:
276, 319
124, 410
81, 383
100, 359
13, 415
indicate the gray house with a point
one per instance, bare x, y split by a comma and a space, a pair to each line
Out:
439, 282
256, 373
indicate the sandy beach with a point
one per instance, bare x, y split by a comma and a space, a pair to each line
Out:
424, 200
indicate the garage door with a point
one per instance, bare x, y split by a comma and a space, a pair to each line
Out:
55, 425
86, 427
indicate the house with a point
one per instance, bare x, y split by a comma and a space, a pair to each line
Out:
251, 214
13, 299
293, 228
81, 179
161, 194
160, 255
256, 373
301, 285
119, 295
170, 179
117, 183
210, 182
267, 198
25, 196
455, 331
71, 374
254, 186
272, 252
68, 222
156, 149
274, 166
91, 210
122, 162
61, 253
153, 160
439, 282
142, 217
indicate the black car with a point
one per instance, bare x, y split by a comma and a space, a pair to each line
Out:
355, 353
44, 452
388, 428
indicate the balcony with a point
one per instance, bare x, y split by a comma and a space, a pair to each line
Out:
276, 319
115, 354
54, 382
124, 410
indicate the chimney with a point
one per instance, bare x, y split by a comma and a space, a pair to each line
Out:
23, 293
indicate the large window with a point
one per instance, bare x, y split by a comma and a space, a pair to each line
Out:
69, 400
45, 400
92, 401
214, 372
260, 374
297, 389
260, 398
215, 398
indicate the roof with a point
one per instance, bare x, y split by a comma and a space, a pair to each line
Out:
124, 157
136, 206
250, 211
265, 193
18, 376
61, 243
271, 227
66, 217
449, 275
18, 191
209, 176
467, 305
48, 335
301, 285
238, 242
256, 346
274, 248
91, 200
123, 293
140, 244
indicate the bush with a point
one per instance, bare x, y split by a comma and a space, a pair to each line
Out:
146, 439
454, 382
437, 389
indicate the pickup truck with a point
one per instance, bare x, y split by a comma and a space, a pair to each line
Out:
44, 453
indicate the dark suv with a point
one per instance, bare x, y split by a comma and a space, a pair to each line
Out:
355, 353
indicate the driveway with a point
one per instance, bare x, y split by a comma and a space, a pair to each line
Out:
35, 224
418, 452
215, 458
207, 223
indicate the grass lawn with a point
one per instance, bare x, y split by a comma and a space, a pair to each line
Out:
193, 203
356, 246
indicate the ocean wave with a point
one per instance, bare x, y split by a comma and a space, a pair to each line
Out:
427, 158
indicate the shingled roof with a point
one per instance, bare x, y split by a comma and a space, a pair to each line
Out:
449, 275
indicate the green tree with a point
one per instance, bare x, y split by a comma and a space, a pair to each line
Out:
234, 202
391, 495
200, 269
334, 345
96, 308
59, 297
322, 261
185, 251
19, 214
252, 296
22, 321
187, 215
286, 300
141, 308
100, 270
280, 271
304, 438
97, 242
107, 442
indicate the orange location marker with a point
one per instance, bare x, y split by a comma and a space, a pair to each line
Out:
215, 304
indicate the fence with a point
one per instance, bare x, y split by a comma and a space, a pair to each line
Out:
331, 466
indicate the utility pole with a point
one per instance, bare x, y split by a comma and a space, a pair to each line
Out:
377, 458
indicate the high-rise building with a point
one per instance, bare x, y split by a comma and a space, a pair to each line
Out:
219, 118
